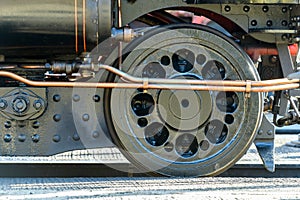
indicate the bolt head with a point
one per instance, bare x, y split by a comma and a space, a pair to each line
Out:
3, 104
7, 137
76, 98
35, 138
85, 117
56, 138
38, 104
56, 98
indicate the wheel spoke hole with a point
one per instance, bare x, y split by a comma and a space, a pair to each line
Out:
154, 70
227, 102
156, 134
183, 60
214, 70
142, 104
165, 60
229, 119
142, 122
186, 145
216, 132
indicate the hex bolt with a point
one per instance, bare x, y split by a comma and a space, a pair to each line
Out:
56, 98
7, 138
3, 104
35, 138
76, 98
57, 117
20, 104
56, 138
22, 137
85, 117
38, 104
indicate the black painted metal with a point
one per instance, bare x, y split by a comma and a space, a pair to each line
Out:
48, 28
68, 123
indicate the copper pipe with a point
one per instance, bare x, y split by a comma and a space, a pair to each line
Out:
235, 83
236, 86
84, 24
76, 25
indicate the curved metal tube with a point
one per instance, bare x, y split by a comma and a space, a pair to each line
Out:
171, 84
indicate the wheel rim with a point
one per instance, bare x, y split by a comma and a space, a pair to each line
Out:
184, 133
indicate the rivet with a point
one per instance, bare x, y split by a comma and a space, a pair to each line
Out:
76, 98
35, 138
269, 23
7, 124
57, 117
56, 98
95, 134
253, 23
260, 132
56, 138
265, 8
7, 137
284, 9
96, 98
36, 124
284, 23
227, 8
22, 137
85, 117
76, 137
269, 132
246, 8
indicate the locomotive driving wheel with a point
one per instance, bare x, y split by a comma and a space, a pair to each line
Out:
180, 132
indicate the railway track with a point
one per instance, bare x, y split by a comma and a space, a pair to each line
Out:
109, 162
128, 170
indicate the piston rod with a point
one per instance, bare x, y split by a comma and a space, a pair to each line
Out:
131, 82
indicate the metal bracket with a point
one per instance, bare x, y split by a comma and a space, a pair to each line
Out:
264, 143
22, 103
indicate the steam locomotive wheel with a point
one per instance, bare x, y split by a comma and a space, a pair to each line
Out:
180, 132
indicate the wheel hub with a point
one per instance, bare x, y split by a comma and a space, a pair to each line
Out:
184, 110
